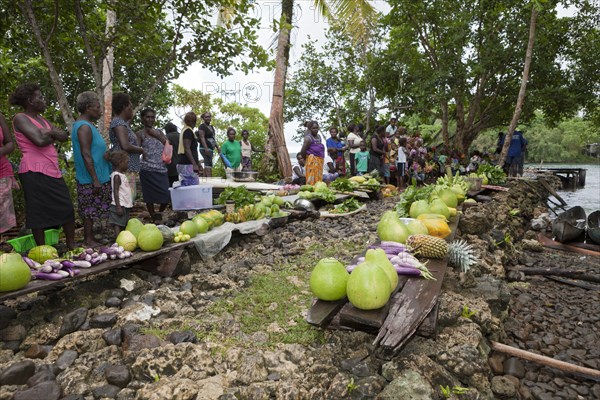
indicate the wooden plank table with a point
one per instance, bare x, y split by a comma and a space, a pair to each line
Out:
137, 257
413, 304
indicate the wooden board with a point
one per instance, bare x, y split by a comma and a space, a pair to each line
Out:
552, 244
38, 285
411, 307
371, 320
413, 304
428, 327
321, 313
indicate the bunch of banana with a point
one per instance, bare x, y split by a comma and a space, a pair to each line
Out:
246, 213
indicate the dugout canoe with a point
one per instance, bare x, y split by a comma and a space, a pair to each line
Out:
569, 225
593, 226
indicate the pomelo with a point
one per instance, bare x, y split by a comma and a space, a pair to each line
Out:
390, 228
189, 228
418, 207
14, 272
150, 238
42, 253
127, 240
437, 206
328, 280
448, 197
368, 287
134, 226
379, 258
201, 224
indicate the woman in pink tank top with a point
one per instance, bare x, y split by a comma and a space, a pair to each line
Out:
47, 199
7, 179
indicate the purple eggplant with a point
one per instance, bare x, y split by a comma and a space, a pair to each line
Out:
67, 264
89, 251
108, 250
408, 271
48, 276
96, 260
29, 262
82, 264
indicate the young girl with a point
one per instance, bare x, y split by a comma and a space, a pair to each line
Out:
122, 199
401, 163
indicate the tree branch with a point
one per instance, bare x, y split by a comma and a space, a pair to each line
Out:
27, 10
161, 76
54, 23
88, 49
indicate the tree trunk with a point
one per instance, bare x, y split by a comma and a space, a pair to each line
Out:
27, 9
107, 76
277, 139
524, 79
445, 136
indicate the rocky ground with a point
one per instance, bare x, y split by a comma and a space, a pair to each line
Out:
234, 327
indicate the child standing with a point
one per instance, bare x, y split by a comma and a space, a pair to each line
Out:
122, 199
401, 162
362, 159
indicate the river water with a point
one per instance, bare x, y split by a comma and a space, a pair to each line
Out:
587, 197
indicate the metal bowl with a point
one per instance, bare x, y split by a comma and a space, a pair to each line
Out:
304, 204
244, 176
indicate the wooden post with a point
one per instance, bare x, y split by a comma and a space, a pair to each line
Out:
546, 361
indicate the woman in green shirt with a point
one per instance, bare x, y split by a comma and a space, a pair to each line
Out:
231, 151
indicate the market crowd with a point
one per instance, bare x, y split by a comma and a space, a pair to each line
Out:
106, 174
398, 156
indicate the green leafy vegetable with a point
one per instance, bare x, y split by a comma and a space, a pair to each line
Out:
343, 185
495, 174
410, 195
347, 206
239, 195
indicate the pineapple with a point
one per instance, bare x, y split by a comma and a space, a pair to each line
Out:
459, 253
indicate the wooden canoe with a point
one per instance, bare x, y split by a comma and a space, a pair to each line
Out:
593, 226
569, 225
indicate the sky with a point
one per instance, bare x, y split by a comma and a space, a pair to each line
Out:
254, 89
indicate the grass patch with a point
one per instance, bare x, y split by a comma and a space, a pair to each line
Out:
253, 307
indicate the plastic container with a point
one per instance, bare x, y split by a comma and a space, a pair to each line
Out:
27, 242
195, 197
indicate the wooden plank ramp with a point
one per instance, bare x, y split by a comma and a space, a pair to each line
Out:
413, 305
413, 308
137, 257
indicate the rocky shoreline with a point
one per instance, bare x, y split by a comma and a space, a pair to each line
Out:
234, 327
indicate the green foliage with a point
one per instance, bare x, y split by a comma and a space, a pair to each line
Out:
236, 115
266, 301
467, 56
239, 195
154, 42
466, 313
560, 143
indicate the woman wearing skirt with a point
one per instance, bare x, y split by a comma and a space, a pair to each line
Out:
153, 173
47, 199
